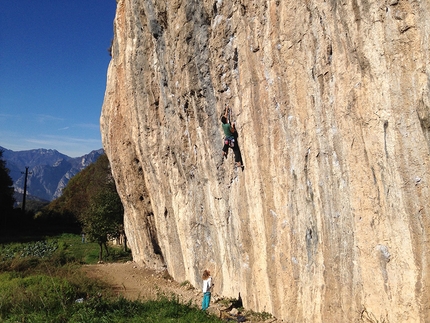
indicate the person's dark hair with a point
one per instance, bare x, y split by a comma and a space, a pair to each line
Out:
223, 119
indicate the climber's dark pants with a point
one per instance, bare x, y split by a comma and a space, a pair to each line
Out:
236, 150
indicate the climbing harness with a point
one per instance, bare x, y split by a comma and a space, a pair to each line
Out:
229, 141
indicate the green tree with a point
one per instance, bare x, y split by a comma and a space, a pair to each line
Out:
6, 189
103, 218
81, 189
91, 198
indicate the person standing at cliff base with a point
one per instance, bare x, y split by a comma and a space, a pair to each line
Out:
230, 139
207, 285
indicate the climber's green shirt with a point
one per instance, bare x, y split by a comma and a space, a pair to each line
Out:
227, 132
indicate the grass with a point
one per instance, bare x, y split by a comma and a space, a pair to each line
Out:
40, 281
261, 316
87, 253
63, 248
161, 310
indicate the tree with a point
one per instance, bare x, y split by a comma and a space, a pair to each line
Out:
91, 198
103, 218
81, 189
6, 189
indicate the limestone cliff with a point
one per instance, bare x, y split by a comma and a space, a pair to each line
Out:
329, 221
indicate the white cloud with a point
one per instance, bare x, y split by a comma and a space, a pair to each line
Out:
44, 118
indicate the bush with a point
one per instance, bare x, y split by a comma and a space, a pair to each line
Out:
37, 249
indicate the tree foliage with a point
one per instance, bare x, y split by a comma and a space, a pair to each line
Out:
103, 218
6, 188
83, 187
92, 199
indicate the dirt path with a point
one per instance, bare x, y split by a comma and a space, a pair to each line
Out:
135, 282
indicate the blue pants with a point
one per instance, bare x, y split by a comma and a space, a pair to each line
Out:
206, 300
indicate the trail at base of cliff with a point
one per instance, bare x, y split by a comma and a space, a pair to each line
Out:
134, 282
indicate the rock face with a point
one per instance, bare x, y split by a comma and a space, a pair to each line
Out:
329, 221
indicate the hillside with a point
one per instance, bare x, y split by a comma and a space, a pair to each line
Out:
49, 170
329, 220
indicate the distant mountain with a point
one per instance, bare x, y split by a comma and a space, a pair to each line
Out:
49, 170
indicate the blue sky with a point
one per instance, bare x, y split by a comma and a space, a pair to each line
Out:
53, 65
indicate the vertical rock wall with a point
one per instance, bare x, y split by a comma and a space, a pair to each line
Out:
329, 221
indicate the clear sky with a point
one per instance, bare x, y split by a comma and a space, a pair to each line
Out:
53, 64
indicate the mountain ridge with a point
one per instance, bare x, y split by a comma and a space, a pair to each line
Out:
49, 170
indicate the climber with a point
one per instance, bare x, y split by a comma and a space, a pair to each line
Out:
230, 139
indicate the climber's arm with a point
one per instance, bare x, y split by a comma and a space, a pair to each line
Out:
232, 125
233, 128
226, 113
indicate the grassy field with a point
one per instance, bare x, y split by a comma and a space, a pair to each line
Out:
40, 281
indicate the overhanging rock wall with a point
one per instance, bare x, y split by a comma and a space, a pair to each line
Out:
329, 221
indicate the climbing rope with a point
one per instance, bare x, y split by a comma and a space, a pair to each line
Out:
219, 269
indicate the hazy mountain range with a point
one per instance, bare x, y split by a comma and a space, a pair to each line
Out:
49, 171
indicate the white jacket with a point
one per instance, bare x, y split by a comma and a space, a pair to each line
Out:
207, 284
